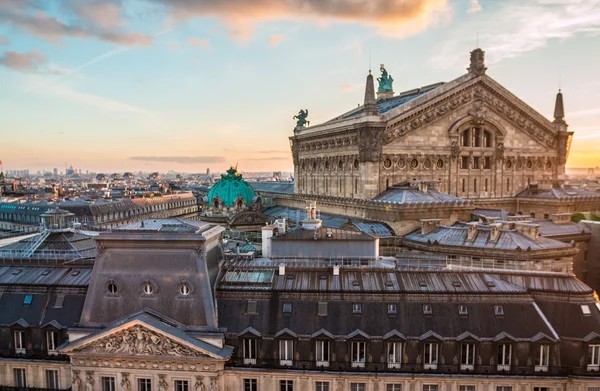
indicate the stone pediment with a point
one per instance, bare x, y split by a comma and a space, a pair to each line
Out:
473, 99
137, 340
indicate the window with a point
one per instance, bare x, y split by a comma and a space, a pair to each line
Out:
356, 308
487, 139
427, 309
321, 386
286, 385
476, 162
391, 309
487, 162
585, 309
541, 389
322, 350
485, 185
251, 308
465, 138
147, 288
144, 384
475, 185
112, 288
286, 352
504, 356
249, 347
28, 299
430, 351
357, 386
51, 340
464, 162
504, 388
476, 132
499, 310
430, 387
467, 356
287, 308
466, 388
19, 341
108, 383
542, 357
394, 354
60, 299
462, 309
20, 379
593, 357
250, 385
52, 379
184, 289
393, 387
359, 354
322, 308
464, 185
507, 184
181, 385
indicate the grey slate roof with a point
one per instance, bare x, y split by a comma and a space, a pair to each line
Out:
280, 187
321, 233
72, 243
405, 194
457, 235
169, 224
45, 276
556, 193
41, 310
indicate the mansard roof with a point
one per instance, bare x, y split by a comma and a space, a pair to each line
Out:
409, 192
556, 192
42, 309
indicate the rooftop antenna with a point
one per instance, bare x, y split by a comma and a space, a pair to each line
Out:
369, 61
559, 82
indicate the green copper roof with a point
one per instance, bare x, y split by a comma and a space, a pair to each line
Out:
230, 188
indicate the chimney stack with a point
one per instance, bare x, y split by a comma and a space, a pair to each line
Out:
428, 225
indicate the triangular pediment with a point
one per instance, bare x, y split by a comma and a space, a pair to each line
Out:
138, 338
472, 98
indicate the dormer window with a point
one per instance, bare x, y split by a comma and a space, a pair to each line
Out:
593, 358
585, 309
542, 357
287, 308
462, 310
391, 309
27, 300
499, 310
147, 288
427, 310
356, 308
19, 338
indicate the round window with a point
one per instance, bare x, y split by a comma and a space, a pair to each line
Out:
147, 288
184, 289
414, 163
440, 163
427, 163
341, 165
529, 164
356, 164
387, 163
401, 163
314, 166
327, 165
508, 164
548, 165
112, 288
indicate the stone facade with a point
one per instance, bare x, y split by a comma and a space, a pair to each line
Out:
475, 137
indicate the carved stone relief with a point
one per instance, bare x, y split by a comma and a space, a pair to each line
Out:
138, 340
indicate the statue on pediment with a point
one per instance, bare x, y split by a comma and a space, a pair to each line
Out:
138, 340
301, 118
385, 81
477, 66
479, 113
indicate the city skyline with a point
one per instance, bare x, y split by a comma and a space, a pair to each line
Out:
135, 85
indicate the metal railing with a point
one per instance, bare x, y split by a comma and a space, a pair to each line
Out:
416, 368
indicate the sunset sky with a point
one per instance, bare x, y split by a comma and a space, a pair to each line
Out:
156, 85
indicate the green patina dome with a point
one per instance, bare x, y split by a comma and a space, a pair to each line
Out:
230, 188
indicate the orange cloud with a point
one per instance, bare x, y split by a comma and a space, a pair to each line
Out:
397, 18
275, 40
200, 43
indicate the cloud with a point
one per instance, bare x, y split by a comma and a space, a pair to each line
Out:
474, 7
180, 159
90, 20
22, 61
200, 43
554, 20
4, 41
584, 113
275, 40
396, 18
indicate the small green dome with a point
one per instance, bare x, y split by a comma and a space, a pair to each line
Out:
230, 188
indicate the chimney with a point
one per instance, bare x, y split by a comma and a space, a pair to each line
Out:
282, 269
428, 225
311, 222
495, 231
471, 230
532, 231
370, 102
422, 186
267, 234
280, 225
